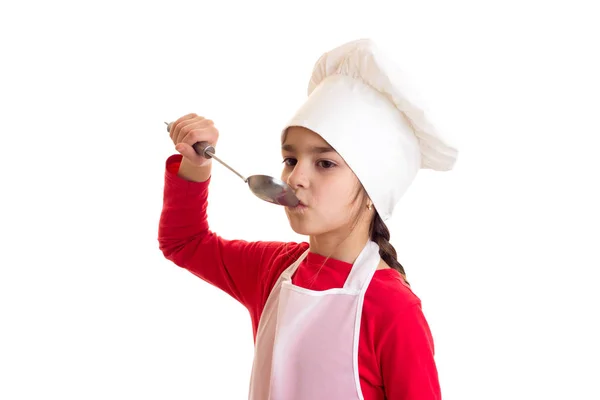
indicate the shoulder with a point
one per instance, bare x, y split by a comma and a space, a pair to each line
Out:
282, 254
271, 258
278, 256
394, 316
271, 253
389, 295
392, 311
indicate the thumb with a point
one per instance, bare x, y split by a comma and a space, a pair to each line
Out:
187, 151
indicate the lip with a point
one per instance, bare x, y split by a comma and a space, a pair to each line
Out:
301, 206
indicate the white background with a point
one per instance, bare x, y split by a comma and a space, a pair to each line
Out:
503, 251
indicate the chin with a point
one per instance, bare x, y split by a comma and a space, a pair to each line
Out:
300, 225
305, 227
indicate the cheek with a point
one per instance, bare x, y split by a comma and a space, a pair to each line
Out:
336, 195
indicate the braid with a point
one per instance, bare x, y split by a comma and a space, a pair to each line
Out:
380, 234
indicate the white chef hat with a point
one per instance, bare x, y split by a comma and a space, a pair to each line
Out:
358, 102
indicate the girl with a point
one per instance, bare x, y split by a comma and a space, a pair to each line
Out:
333, 317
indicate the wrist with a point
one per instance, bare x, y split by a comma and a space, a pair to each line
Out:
193, 172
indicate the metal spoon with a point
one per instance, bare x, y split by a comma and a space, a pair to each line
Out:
265, 187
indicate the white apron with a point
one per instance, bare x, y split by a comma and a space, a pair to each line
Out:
307, 341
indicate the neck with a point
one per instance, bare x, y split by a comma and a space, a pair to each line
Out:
334, 245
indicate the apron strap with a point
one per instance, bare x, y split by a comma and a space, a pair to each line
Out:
363, 268
289, 272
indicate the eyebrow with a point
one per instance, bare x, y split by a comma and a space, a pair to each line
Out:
312, 149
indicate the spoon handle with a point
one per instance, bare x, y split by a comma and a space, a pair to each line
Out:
206, 150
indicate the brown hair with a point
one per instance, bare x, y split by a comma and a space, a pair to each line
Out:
380, 234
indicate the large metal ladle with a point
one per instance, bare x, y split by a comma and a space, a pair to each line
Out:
265, 187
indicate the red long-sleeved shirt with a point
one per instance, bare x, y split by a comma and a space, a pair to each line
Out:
396, 350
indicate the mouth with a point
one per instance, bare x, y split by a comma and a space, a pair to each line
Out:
300, 206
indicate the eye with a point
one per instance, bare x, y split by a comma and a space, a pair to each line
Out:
290, 162
326, 164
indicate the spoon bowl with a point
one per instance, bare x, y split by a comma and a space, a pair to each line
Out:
272, 190
265, 187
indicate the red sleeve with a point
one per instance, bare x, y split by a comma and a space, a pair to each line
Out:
185, 239
406, 351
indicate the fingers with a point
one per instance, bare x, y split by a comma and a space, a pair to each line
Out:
180, 123
187, 151
200, 132
190, 129
194, 125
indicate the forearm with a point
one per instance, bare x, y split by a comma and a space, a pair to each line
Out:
191, 172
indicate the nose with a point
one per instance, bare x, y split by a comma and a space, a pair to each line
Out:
298, 178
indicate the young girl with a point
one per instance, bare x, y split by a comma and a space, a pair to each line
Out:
334, 317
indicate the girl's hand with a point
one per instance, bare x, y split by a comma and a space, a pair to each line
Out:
187, 131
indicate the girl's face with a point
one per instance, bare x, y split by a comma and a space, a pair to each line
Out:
323, 182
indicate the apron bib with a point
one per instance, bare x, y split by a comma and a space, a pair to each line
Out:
307, 341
